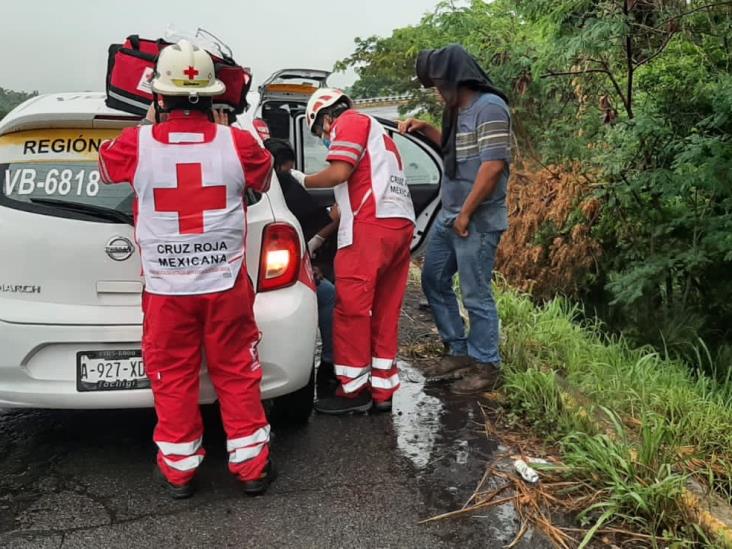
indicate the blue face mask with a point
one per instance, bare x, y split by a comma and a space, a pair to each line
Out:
326, 142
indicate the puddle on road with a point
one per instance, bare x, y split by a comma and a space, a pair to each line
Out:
443, 438
416, 417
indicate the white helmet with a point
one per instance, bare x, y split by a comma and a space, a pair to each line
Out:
322, 98
184, 69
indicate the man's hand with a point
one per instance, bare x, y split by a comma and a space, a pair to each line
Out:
314, 243
335, 213
220, 116
411, 125
414, 125
460, 226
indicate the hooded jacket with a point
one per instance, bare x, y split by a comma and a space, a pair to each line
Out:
448, 69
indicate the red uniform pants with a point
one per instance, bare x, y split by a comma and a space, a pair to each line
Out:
371, 277
177, 329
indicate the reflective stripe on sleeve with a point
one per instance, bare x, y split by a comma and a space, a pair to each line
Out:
259, 436
385, 382
347, 154
382, 363
179, 448
185, 464
348, 145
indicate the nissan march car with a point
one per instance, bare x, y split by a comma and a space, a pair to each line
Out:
70, 275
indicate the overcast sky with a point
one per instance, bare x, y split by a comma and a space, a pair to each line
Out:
61, 45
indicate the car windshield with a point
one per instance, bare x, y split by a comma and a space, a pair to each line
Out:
74, 183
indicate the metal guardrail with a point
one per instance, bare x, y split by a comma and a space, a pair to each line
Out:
385, 100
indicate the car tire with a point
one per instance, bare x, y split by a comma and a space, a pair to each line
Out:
294, 408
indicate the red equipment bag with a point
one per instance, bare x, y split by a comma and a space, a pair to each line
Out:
131, 67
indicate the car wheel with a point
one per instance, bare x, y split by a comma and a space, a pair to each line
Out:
295, 408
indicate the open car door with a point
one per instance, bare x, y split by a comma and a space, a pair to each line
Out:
422, 169
283, 97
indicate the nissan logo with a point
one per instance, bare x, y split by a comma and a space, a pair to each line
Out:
119, 248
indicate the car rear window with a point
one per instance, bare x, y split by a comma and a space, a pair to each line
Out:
54, 172
72, 182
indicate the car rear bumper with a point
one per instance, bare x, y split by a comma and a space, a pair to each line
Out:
38, 361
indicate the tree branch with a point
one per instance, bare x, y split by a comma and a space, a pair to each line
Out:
573, 73
658, 52
700, 8
629, 61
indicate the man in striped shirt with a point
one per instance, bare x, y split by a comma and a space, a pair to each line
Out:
476, 143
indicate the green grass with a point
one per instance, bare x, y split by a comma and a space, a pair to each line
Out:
639, 425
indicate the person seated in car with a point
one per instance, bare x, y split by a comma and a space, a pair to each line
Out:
318, 225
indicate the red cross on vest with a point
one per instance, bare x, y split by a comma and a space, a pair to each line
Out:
392, 148
191, 73
190, 198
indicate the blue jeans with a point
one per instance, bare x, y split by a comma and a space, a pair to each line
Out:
472, 258
326, 302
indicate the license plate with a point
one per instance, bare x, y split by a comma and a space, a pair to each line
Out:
121, 370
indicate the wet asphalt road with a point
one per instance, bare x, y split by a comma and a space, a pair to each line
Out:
83, 479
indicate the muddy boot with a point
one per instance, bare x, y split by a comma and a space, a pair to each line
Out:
326, 381
259, 486
381, 406
449, 367
483, 377
175, 491
339, 405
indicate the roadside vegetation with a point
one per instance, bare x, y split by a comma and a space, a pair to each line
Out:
10, 99
615, 291
633, 428
623, 124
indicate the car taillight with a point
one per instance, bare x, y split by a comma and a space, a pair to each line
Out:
279, 264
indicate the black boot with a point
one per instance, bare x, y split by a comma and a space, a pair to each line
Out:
175, 491
259, 486
339, 405
326, 381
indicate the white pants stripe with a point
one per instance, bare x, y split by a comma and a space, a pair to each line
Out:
382, 363
351, 372
259, 436
385, 382
179, 448
185, 464
240, 455
356, 384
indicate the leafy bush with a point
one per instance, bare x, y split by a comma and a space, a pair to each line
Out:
636, 96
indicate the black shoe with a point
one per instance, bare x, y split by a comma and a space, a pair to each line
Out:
326, 382
175, 491
338, 405
259, 486
382, 406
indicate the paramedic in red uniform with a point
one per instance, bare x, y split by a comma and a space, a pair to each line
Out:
189, 176
372, 263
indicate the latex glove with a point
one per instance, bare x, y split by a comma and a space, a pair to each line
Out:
299, 177
314, 243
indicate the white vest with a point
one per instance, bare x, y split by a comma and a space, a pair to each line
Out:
191, 220
388, 187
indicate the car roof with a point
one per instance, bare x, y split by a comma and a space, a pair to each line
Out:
65, 110
81, 110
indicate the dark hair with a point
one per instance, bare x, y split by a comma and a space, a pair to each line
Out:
281, 150
176, 103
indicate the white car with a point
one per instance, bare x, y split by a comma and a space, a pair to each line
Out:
70, 276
